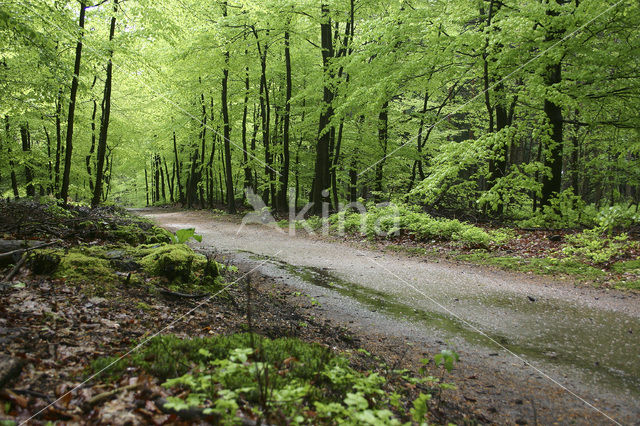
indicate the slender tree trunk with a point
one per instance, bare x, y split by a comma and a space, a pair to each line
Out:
383, 126
49, 163
93, 136
169, 181
106, 114
146, 184
56, 169
231, 202
321, 181
177, 166
14, 180
64, 192
245, 110
284, 171
26, 148
265, 113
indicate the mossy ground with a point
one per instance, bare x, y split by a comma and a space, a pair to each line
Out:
96, 268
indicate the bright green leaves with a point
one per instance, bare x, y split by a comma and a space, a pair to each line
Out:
183, 235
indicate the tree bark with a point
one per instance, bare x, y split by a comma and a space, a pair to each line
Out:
231, 202
26, 148
64, 192
321, 180
284, 171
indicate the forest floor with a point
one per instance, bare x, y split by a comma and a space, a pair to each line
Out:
53, 329
533, 349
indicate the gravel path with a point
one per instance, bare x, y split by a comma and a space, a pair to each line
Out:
531, 350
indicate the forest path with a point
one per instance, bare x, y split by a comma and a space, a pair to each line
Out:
573, 353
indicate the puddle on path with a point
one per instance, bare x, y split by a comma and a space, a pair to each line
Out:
603, 346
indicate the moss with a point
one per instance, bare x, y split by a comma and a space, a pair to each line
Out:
628, 266
44, 261
543, 266
172, 261
628, 285
159, 235
84, 265
131, 234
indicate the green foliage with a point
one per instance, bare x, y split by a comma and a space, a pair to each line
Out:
619, 216
393, 219
183, 235
446, 358
224, 373
595, 246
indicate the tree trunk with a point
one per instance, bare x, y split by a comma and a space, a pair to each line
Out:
146, 184
265, 113
64, 192
177, 165
231, 201
383, 140
26, 148
93, 137
56, 169
284, 171
321, 180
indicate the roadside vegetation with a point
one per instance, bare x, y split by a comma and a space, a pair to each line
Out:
597, 246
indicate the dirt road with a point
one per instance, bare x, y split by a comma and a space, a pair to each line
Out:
531, 351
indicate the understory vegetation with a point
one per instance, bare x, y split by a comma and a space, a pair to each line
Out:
279, 381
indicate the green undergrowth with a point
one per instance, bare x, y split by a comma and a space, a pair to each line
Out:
280, 381
542, 266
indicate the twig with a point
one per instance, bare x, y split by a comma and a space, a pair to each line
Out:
168, 292
16, 268
104, 395
23, 250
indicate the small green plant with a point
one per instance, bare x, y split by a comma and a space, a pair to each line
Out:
446, 358
595, 246
183, 235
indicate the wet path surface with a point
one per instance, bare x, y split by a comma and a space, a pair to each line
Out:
540, 338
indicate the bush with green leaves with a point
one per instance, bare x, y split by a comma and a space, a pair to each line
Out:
392, 219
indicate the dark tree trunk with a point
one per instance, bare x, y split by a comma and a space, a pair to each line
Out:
321, 180
49, 163
284, 171
265, 113
245, 110
106, 114
64, 192
26, 148
146, 184
553, 184
177, 166
56, 169
383, 140
14, 180
169, 180
231, 202
93, 137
